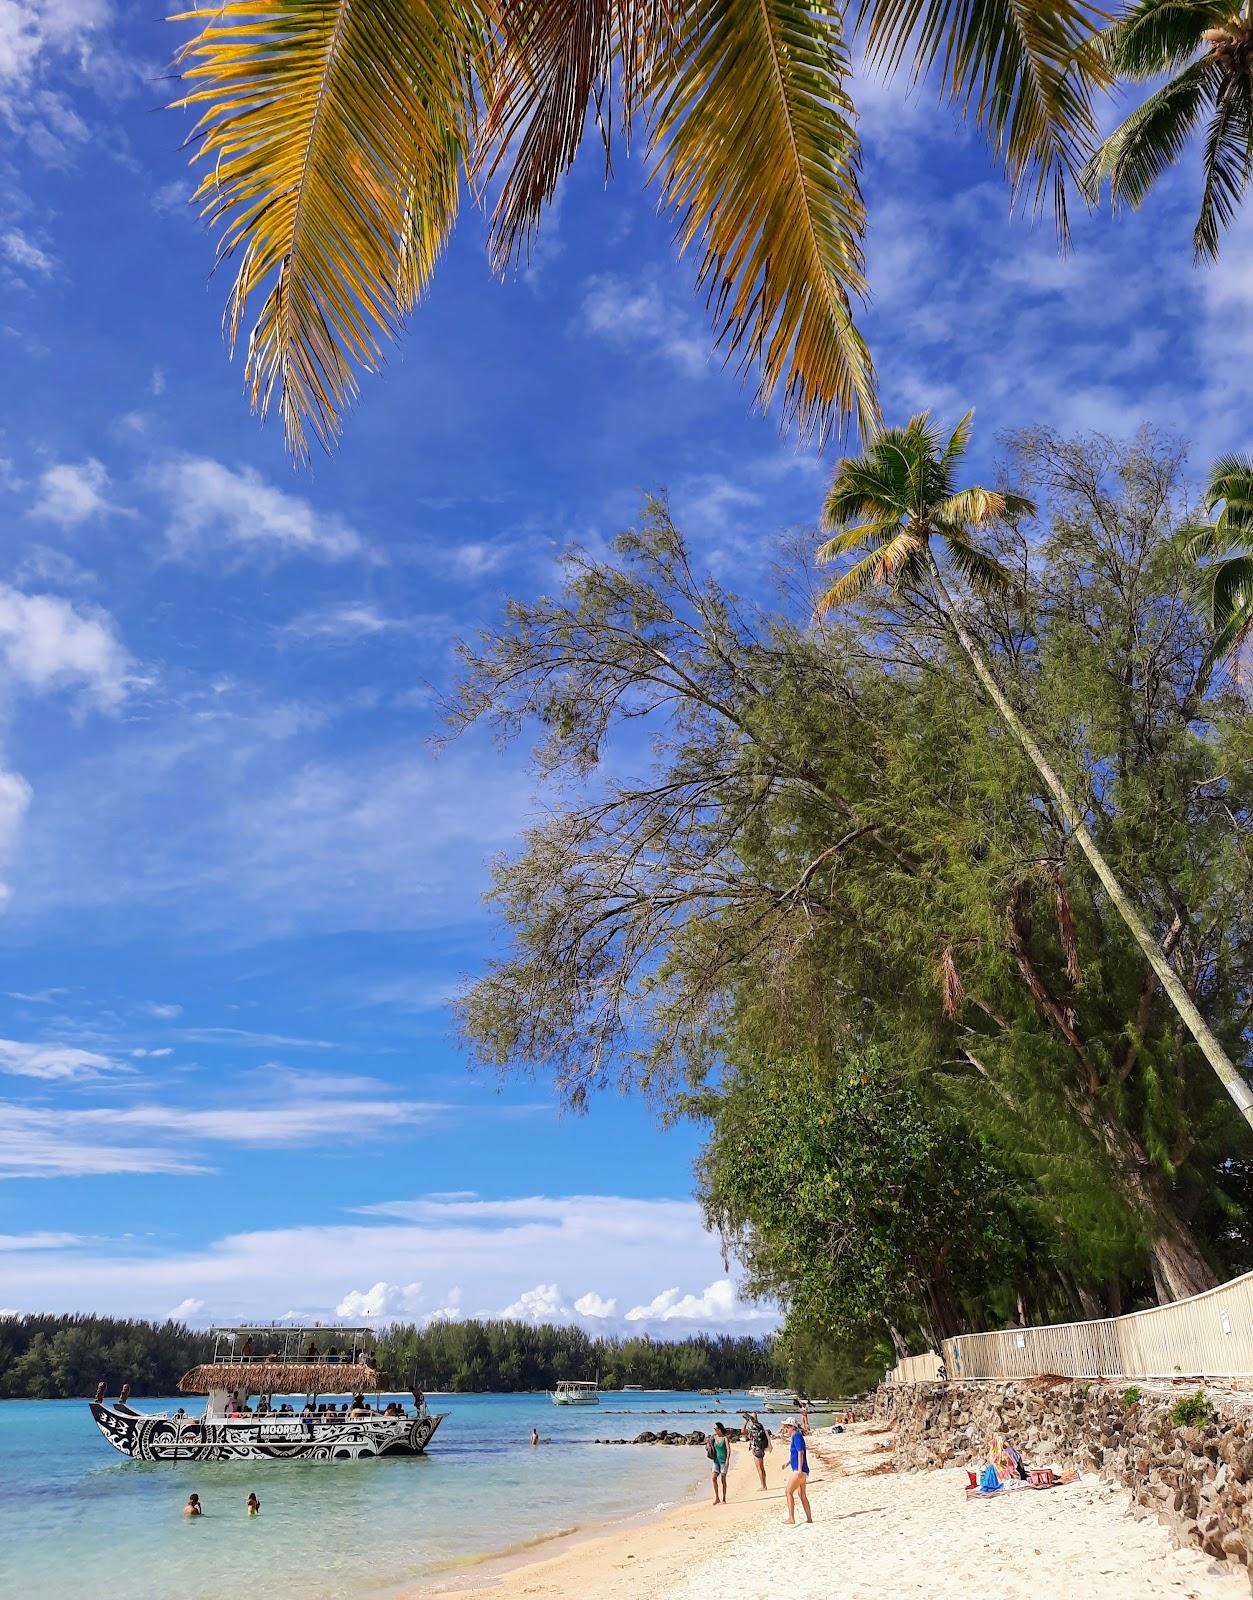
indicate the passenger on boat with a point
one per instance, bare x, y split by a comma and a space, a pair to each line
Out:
311, 1354
246, 1350
100, 1394
359, 1407
332, 1357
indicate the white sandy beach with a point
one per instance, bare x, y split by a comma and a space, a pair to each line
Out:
877, 1536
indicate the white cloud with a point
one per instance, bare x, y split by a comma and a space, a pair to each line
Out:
186, 1309
382, 1300
640, 316
72, 1141
152, 1054
543, 1303
442, 1255
156, 384
166, 1011
358, 619
211, 506
72, 493
38, 1241
52, 1061
594, 1305
716, 1306
24, 252
46, 644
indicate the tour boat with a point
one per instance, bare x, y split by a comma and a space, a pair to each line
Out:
269, 1362
570, 1392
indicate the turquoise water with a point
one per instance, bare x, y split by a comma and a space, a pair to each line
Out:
80, 1522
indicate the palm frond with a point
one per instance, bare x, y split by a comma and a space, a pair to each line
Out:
1150, 139
850, 585
887, 564
1226, 164
959, 439
981, 570
1024, 68
974, 505
1159, 36
1230, 585
870, 534
552, 59
870, 486
757, 153
1231, 485
332, 133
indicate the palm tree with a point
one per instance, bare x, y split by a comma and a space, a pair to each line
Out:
1225, 547
898, 503
335, 135
1207, 46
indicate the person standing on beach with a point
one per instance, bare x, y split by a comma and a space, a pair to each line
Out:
797, 1484
720, 1457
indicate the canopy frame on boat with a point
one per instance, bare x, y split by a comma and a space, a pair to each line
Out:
284, 1377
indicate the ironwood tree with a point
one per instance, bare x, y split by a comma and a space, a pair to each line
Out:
830, 828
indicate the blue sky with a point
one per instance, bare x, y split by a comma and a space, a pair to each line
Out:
239, 885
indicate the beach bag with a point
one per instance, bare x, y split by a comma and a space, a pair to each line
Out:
710, 1451
988, 1480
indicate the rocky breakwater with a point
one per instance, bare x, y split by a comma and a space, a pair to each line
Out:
668, 1437
1185, 1456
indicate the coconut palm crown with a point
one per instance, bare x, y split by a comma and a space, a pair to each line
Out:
1224, 548
336, 138
896, 499
1207, 48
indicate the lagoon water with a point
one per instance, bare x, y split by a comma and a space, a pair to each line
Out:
79, 1520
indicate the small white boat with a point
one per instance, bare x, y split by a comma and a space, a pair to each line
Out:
572, 1392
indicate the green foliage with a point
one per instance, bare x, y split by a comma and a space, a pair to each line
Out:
55, 1358
854, 1202
1192, 1411
831, 849
1131, 1396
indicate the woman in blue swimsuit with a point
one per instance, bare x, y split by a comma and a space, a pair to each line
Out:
797, 1485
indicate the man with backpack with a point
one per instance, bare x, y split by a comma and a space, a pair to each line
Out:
758, 1443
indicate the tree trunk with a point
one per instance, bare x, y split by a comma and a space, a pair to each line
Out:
1182, 1001
1179, 1268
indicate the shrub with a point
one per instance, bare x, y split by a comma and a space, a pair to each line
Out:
1192, 1411
1131, 1397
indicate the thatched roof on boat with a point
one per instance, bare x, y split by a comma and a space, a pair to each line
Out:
284, 1377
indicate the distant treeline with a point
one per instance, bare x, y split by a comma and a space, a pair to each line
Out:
52, 1358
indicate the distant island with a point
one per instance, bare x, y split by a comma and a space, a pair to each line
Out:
65, 1357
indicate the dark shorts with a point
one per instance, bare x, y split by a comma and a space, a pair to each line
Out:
759, 1454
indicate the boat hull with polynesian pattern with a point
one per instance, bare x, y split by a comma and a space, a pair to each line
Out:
281, 1426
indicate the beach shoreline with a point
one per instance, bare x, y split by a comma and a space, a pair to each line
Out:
875, 1532
653, 1544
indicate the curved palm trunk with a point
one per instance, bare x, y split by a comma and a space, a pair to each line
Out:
1182, 1001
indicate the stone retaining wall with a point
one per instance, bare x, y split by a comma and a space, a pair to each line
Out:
1199, 1480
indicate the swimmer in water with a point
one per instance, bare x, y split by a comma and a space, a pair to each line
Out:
254, 1505
193, 1507
534, 1437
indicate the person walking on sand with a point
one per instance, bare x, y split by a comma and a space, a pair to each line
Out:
719, 1451
758, 1444
797, 1488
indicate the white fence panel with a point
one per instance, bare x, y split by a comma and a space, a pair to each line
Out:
1207, 1336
